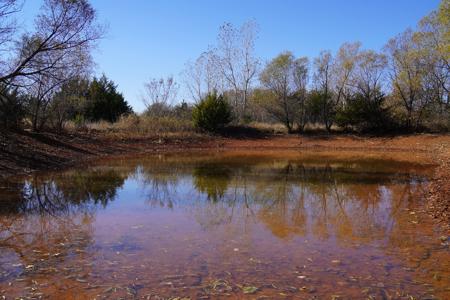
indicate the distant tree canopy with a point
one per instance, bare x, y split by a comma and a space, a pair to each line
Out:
230, 67
403, 87
79, 99
45, 78
285, 76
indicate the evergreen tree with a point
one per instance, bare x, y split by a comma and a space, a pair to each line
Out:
104, 102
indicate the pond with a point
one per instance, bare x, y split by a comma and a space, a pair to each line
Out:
224, 225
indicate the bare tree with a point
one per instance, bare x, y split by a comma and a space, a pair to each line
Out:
42, 87
159, 95
301, 77
59, 46
342, 71
368, 76
236, 60
322, 80
201, 77
8, 26
40, 94
62, 29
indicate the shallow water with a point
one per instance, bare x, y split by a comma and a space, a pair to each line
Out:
231, 225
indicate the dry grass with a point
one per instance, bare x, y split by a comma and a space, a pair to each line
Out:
153, 125
276, 128
139, 126
145, 126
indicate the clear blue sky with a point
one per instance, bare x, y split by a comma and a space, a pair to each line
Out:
155, 38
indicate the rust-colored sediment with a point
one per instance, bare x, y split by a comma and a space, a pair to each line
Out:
22, 153
439, 188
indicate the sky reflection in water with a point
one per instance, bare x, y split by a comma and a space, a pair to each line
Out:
216, 224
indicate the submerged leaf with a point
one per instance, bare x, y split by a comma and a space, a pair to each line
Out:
249, 289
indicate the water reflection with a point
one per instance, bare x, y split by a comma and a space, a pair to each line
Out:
211, 215
290, 197
63, 193
212, 180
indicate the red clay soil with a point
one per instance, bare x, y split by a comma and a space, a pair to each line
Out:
439, 189
24, 152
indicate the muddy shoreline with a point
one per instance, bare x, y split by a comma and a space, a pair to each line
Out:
22, 153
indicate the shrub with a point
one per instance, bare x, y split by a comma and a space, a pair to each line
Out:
212, 113
365, 114
79, 121
320, 109
11, 108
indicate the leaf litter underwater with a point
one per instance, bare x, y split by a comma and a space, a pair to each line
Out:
215, 225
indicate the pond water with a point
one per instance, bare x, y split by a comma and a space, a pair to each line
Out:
223, 225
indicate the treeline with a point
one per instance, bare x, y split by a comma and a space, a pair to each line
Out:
45, 79
78, 99
403, 87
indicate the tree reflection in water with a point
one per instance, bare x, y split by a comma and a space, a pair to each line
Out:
43, 219
212, 180
348, 201
66, 225
293, 197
